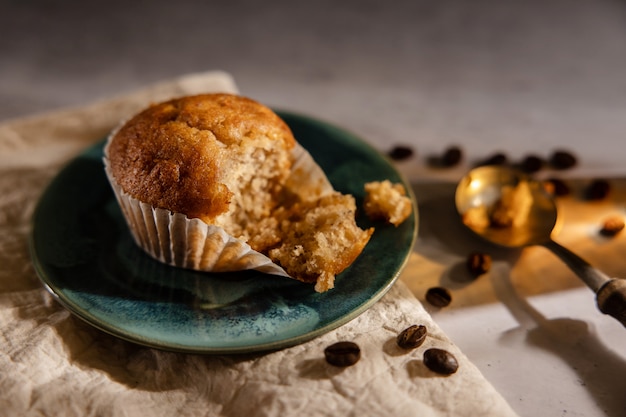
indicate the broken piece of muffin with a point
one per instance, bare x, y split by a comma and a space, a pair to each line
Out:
386, 201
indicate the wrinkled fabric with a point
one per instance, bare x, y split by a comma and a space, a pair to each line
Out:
52, 363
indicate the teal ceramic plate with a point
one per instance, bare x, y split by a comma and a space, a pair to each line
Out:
85, 256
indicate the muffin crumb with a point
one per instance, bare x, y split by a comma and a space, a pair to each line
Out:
612, 225
387, 201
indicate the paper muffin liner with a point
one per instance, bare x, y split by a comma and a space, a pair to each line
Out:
177, 240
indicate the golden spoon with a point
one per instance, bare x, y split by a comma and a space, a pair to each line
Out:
509, 209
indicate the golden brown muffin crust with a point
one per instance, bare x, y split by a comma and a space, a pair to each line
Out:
169, 155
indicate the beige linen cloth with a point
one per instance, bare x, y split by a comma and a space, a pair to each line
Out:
52, 364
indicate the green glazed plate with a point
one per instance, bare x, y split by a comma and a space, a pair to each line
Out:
85, 256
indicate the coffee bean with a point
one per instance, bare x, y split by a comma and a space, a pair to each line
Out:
440, 361
452, 156
400, 152
556, 187
478, 263
598, 190
531, 164
562, 159
438, 296
498, 158
612, 226
412, 337
342, 354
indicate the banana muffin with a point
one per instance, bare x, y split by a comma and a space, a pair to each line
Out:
229, 162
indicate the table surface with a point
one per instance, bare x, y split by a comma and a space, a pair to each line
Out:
521, 77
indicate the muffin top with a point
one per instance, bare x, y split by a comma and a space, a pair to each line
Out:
182, 154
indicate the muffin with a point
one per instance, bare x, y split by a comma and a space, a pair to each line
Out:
217, 182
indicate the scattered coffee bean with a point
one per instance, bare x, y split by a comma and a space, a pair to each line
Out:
556, 187
438, 296
400, 152
478, 263
452, 156
612, 226
342, 354
597, 190
412, 337
495, 159
531, 164
562, 159
440, 361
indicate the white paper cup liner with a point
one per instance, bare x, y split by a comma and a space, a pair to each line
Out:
177, 240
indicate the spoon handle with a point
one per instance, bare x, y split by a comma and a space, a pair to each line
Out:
590, 275
610, 293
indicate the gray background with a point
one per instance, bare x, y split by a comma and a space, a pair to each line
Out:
529, 75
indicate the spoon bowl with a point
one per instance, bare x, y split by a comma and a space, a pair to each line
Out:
506, 207
510, 209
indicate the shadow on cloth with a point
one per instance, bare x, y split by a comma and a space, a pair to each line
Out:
140, 367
